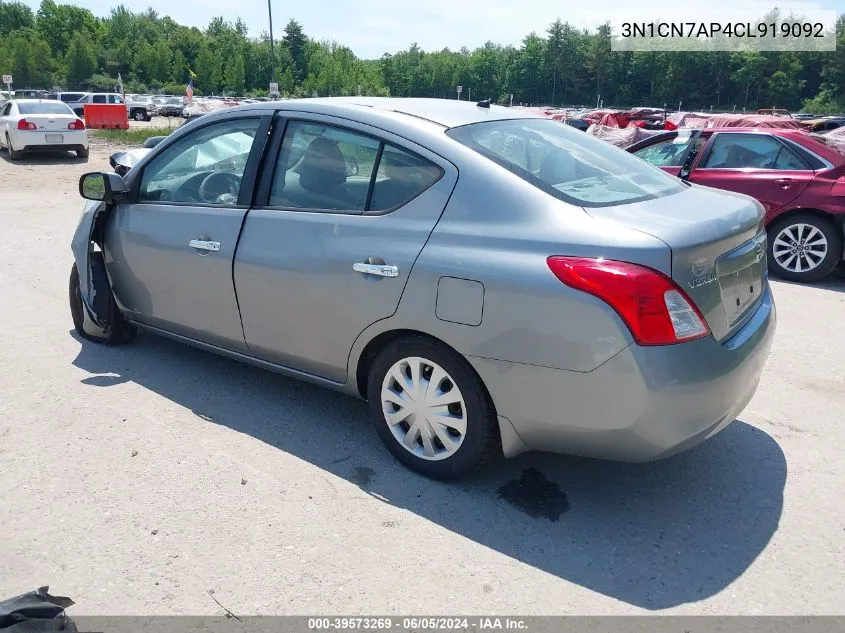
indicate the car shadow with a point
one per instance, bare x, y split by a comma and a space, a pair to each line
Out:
44, 158
653, 535
835, 282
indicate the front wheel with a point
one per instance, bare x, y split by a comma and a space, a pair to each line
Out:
804, 247
117, 331
431, 410
140, 115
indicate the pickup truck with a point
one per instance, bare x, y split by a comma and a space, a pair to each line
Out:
138, 110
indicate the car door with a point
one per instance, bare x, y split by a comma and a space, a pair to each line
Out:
169, 250
342, 217
754, 163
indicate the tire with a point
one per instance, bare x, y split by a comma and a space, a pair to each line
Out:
13, 153
823, 247
118, 330
139, 115
467, 451
83, 152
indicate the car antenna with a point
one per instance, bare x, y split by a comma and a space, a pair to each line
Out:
483, 104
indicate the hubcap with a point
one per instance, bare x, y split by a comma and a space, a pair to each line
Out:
424, 408
799, 248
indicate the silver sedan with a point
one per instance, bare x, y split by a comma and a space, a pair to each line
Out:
489, 281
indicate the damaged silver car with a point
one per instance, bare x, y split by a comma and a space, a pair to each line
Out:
489, 281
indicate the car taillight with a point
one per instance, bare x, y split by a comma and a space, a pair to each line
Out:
76, 124
653, 307
23, 124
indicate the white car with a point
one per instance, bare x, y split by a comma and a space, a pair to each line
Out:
30, 125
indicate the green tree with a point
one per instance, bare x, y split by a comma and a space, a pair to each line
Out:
295, 41
235, 74
58, 24
15, 16
81, 61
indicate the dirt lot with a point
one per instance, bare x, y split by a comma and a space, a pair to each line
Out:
136, 479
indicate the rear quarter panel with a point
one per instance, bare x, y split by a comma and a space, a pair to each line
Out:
498, 230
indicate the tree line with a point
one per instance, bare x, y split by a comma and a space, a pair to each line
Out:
65, 46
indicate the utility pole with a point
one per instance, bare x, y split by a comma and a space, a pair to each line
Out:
272, 51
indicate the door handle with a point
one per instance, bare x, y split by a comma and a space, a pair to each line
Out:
205, 245
785, 183
380, 270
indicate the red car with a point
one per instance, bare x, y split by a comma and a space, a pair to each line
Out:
799, 179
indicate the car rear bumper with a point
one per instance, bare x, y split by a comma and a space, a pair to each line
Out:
37, 141
645, 403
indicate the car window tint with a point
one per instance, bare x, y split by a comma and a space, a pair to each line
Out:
115, 99
323, 168
401, 176
761, 151
99, 99
206, 166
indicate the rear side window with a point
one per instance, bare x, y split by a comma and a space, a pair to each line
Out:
44, 107
401, 176
99, 99
757, 151
325, 168
565, 163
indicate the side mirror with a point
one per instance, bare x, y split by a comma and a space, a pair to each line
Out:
102, 186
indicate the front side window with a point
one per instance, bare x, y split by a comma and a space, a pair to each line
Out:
205, 167
99, 99
325, 168
755, 151
671, 152
115, 99
565, 162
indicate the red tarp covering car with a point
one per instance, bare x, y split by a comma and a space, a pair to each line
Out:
754, 120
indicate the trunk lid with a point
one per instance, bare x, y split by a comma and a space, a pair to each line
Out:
50, 122
718, 248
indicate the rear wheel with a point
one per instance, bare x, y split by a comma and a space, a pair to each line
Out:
431, 410
82, 152
13, 153
117, 331
140, 115
804, 247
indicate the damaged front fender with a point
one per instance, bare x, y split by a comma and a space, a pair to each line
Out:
93, 281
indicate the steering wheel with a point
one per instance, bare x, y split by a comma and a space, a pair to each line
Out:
219, 187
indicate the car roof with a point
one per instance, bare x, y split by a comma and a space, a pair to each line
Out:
442, 112
37, 101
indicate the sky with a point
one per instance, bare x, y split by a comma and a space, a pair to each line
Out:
373, 27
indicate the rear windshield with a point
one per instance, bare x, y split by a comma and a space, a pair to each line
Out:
44, 107
567, 163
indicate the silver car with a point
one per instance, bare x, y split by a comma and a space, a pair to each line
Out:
489, 281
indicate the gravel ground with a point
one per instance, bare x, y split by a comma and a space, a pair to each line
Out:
138, 478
